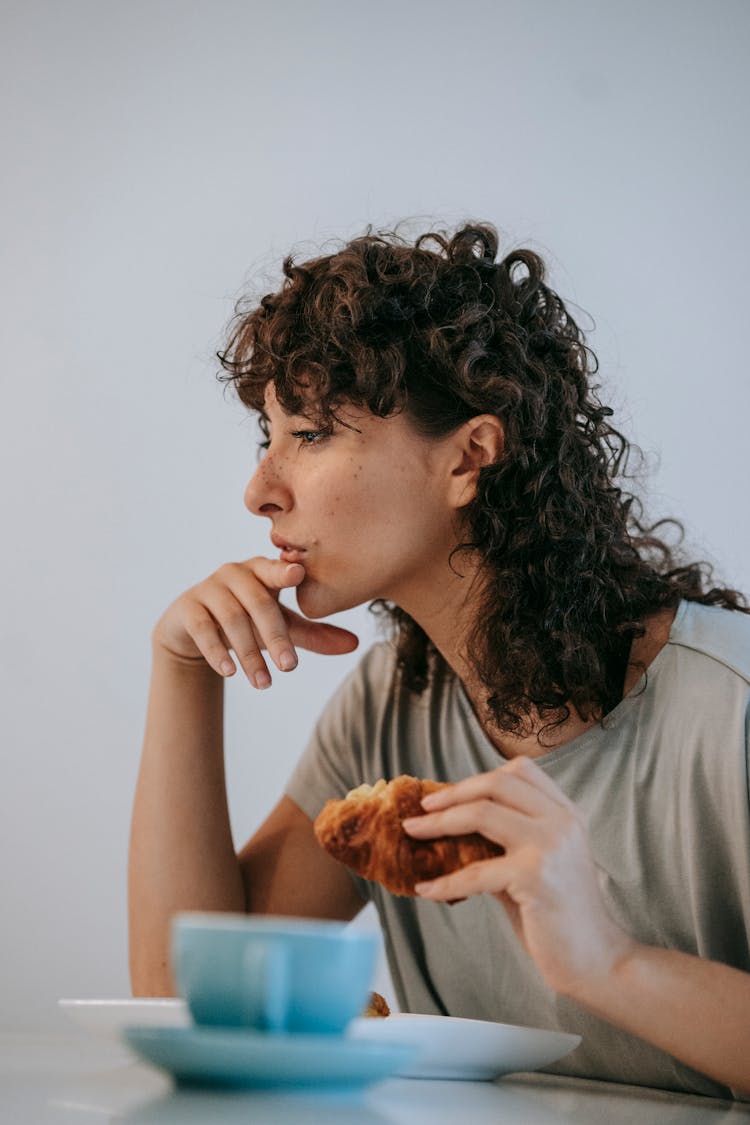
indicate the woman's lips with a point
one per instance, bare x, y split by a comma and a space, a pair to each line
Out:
289, 552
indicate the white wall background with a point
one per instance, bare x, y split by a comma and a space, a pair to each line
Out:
155, 155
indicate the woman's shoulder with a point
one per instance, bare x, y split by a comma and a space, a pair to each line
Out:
713, 635
376, 691
377, 664
368, 681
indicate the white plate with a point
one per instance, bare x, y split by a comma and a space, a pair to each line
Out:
109, 1017
450, 1047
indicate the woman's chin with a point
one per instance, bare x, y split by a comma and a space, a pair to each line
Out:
316, 600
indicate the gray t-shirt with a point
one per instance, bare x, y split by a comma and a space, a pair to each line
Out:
665, 791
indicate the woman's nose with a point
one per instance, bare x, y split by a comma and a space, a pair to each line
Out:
265, 492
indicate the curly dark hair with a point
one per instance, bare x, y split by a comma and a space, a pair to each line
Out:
439, 329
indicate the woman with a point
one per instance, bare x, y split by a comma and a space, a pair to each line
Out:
434, 445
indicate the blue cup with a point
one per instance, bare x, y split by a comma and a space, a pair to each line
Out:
272, 974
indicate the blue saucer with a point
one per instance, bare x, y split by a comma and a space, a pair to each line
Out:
211, 1056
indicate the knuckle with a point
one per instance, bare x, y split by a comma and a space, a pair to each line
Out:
232, 572
234, 619
276, 637
198, 621
473, 876
264, 598
513, 768
251, 567
486, 814
533, 866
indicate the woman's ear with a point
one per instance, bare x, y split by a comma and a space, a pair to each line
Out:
479, 442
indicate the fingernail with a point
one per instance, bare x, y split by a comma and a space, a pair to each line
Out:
262, 680
226, 668
429, 800
421, 888
287, 660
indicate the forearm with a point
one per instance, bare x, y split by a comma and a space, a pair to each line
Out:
697, 1010
182, 855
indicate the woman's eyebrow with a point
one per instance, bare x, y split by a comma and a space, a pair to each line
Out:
266, 426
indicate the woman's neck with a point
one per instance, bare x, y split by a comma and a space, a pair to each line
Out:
448, 619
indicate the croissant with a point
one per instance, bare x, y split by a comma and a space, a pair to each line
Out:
363, 831
377, 1007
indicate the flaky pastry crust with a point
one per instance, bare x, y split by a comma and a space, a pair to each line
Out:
364, 832
377, 1007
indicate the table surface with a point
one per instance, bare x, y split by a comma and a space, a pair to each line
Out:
79, 1077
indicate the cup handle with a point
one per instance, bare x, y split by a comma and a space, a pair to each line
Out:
265, 986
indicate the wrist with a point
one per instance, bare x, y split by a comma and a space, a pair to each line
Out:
165, 656
601, 990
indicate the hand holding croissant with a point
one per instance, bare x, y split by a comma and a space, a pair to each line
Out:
364, 831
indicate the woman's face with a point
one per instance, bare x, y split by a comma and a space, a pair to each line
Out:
366, 509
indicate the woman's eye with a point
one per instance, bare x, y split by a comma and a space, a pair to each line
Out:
310, 437
303, 437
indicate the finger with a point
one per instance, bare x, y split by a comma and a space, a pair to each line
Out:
520, 783
487, 875
237, 626
210, 640
259, 621
274, 573
228, 666
533, 775
500, 785
503, 826
319, 636
513, 910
